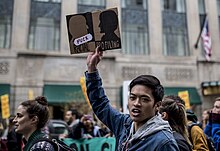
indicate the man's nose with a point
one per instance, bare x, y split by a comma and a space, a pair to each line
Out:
14, 120
137, 102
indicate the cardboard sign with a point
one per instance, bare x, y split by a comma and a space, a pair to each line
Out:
83, 86
5, 106
30, 94
88, 30
184, 95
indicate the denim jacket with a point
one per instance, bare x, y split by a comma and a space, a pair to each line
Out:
154, 135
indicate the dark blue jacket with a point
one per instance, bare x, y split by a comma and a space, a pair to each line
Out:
213, 130
153, 137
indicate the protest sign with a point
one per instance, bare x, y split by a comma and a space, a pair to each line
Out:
184, 95
83, 86
5, 106
93, 144
88, 30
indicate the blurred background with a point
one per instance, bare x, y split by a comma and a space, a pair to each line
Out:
158, 37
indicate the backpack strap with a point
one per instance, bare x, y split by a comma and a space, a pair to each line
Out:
62, 146
189, 127
57, 144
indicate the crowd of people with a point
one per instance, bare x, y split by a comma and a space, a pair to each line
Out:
145, 128
155, 121
84, 126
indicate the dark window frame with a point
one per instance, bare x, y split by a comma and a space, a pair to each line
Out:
51, 12
6, 11
175, 21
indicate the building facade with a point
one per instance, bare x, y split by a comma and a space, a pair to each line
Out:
158, 37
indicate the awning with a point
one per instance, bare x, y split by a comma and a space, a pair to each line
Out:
210, 88
193, 94
4, 89
57, 94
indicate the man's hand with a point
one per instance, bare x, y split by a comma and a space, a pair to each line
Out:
93, 59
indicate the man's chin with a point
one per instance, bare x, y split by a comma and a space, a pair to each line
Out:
135, 119
16, 130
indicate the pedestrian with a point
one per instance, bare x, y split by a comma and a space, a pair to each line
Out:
205, 118
213, 127
143, 129
31, 117
86, 129
174, 112
196, 134
14, 139
72, 117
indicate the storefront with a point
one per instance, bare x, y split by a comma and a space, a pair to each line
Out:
60, 96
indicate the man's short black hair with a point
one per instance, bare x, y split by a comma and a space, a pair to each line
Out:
75, 112
151, 82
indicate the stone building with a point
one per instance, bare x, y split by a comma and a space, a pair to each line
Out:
158, 37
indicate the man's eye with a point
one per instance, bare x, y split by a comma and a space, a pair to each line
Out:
19, 115
144, 99
132, 98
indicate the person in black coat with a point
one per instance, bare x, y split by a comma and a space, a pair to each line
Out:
14, 140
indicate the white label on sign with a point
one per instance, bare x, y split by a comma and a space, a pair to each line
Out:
83, 39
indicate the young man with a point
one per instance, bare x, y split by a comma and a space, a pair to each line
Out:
72, 117
143, 129
213, 127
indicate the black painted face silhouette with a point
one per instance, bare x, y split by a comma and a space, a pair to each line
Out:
108, 24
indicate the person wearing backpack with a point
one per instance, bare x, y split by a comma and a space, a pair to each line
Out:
196, 134
31, 116
213, 127
174, 112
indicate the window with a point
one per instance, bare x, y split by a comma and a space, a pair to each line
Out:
58, 1
44, 29
90, 5
218, 7
92, 2
202, 12
175, 37
6, 13
134, 4
134, 27
173, 5
202, 16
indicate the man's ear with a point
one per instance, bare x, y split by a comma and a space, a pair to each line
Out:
164, 116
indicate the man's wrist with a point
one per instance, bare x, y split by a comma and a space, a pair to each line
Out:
91, 68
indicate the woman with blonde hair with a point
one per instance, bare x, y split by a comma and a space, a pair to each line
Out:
173, 110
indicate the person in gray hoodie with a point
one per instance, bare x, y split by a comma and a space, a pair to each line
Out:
142, 129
